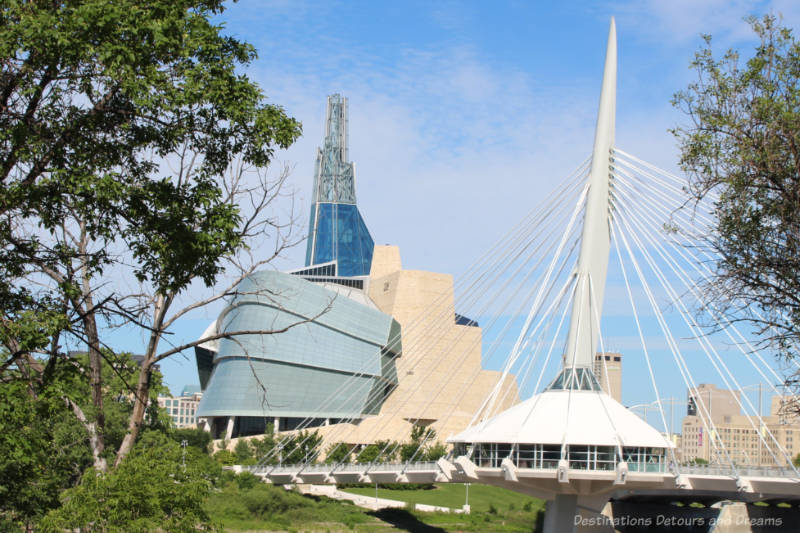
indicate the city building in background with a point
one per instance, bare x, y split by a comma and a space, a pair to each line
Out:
356, 338
608, 371
721, 404
716, 431
183, 409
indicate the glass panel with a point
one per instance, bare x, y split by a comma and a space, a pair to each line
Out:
528, 455
503, 451
575, 379
578, 457
310, 244
341, 235
483, 454
551, 453
606, 458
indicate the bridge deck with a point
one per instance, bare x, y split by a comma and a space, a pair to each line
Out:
751, 484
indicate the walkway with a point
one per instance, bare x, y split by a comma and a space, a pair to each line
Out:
367, 502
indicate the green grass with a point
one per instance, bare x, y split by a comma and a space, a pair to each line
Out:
242, 504
453, 495
503, 522
267, 507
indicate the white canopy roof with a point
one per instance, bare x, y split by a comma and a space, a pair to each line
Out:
571, 417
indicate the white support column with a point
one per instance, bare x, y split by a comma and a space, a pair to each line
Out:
229, 428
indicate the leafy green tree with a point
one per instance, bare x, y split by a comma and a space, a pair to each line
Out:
126, 132
436, 452
263, 447
44, 448
225, 457
118, 372
243, 452
158, 487
247, 480
339, 452
195, 437
741, 148
421, 439
42, 452
301, 447
369, 453
383, 451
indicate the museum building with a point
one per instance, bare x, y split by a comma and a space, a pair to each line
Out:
338, 350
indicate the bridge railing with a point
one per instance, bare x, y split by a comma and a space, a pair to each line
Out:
422, 466
743, 471
430, 466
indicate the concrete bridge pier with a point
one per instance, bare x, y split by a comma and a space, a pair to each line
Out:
559, 514
575, 513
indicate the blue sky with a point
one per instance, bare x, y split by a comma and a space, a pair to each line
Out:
464, 114
463, 107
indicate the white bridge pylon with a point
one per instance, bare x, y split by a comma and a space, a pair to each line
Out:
574, 422
573, 444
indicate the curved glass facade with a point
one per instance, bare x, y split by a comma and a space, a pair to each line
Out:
331, 357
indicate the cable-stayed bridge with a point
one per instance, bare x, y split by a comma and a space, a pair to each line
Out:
570, 442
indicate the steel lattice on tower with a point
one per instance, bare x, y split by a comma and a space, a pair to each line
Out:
337, 231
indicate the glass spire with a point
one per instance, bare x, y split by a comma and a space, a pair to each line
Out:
336, 230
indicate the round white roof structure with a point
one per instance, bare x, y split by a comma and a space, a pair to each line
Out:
566, 417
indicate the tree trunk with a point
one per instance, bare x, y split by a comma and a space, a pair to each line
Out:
96, 382
140, 401
100, 462
142, 393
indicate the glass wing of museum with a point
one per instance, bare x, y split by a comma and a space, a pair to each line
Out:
323, 350
330, 351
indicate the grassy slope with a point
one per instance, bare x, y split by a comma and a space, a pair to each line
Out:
453, 495
266, 507
269, 508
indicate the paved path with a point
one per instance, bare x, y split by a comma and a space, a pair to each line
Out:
368, 502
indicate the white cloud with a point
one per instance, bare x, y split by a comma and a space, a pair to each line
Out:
449, 151
453, 148
679, 22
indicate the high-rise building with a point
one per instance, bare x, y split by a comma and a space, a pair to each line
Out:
182, 409
720, 404
608, 371
336, 230
714, 430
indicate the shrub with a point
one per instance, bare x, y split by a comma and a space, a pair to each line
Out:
225, 457
243, 452
196, 438
528, 506
247, 480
